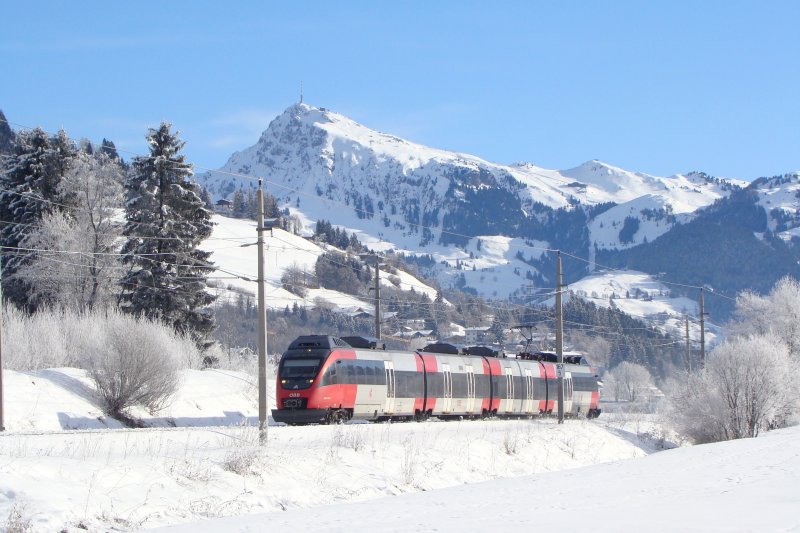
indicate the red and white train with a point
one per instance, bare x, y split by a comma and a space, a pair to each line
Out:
323, 379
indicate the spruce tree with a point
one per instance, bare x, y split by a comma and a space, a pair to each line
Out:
30, 188
239, 204
6, 136
166, 221
108, 148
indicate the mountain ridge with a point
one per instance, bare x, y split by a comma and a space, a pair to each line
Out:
417, 200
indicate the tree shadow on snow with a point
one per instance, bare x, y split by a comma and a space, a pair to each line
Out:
68, 383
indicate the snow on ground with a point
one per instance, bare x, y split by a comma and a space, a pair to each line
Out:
745, 485
202, 460
208, 473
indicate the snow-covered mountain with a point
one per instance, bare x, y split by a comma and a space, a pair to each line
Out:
485, 225
406, 192
780, 198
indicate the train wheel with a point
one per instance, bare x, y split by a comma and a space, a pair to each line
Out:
338, 416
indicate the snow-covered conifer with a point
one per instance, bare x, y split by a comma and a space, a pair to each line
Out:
30, 183
6, 136
166, 222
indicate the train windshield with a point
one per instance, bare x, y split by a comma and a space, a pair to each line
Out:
299, 373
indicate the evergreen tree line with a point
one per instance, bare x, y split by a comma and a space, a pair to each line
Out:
326, 232
244, 204
60, 234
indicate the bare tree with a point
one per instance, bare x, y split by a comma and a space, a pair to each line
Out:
629, 381
746, 386
75, 262
597, 349
297, 280
778, 314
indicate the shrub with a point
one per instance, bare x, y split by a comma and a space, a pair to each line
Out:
139, 364
131, 360
746, 386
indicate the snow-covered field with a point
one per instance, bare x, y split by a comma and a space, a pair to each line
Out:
202, 463
746, 485
202, 459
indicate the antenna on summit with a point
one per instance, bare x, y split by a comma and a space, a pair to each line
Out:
301, 92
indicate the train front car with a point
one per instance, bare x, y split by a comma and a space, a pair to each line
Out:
323, 379
302, 393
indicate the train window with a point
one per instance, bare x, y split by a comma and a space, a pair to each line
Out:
299, 373
300, 368
329, 378
360, 375
370, 375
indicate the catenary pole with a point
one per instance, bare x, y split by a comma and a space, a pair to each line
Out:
702, 330
262, 325
377, 299
688, 347
560, 339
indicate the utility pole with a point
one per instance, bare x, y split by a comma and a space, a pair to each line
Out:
377, 299
702, 330
688, 346
377, 290
559, 340
262, 326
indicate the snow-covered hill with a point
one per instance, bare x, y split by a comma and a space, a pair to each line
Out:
234, 253
640, 295
202, 459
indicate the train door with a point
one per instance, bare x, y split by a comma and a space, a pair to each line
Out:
470, 388
447, 404
568, 390
509, 390
388, 368
528, 391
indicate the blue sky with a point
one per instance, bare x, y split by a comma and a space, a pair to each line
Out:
656, 87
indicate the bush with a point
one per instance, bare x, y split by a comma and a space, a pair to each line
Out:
139, 365
132, 360
746, 386
18, 520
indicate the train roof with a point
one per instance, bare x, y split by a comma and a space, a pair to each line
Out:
574, 358
306, 342
370, 343
444, 348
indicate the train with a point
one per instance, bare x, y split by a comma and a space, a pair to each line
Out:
324, 379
